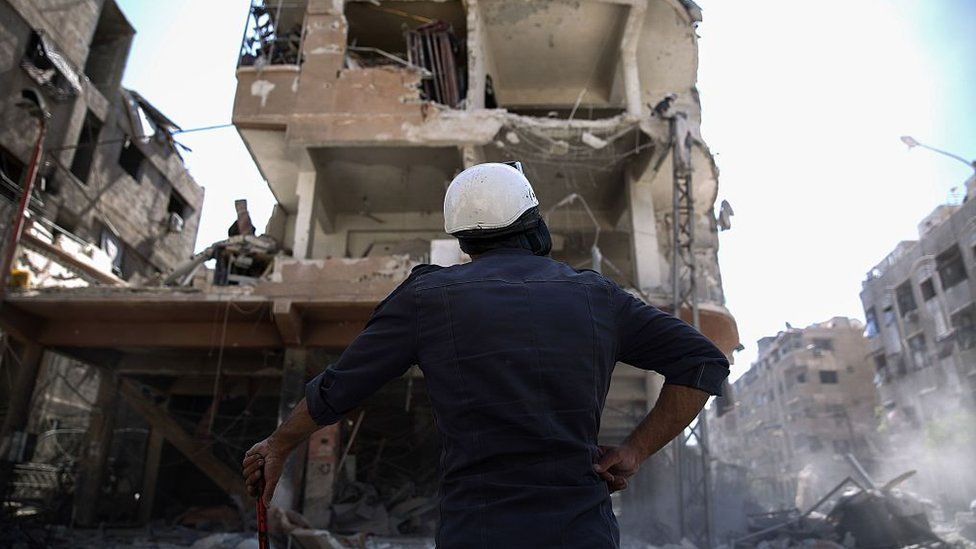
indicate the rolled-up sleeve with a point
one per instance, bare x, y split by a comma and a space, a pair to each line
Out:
651, 339
384, 350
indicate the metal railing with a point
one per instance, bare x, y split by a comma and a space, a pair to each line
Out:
273, 33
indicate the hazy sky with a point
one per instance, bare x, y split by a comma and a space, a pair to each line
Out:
803, 106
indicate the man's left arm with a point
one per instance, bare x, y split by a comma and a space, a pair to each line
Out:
384, 350
692, 366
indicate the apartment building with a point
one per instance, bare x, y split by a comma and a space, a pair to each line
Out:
921, 324
806, 402
113, 200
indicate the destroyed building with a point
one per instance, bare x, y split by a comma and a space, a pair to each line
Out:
112, 203
113, 200
806, 402
358, 114
920, 309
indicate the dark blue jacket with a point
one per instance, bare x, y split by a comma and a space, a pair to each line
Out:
517, 352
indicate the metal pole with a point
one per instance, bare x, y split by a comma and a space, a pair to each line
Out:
18, 221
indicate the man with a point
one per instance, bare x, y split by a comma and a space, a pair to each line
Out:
517, 351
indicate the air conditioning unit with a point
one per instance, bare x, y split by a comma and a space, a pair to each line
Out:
174, 223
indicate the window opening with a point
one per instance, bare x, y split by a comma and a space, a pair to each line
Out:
85, 151
928, 289
905, 298
828, 377
113, 247
177, 210
131, 159
918, 348
964, 324
11, 175
951, 269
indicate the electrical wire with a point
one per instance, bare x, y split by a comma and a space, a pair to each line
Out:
125, 139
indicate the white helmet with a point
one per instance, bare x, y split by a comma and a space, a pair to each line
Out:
487, 196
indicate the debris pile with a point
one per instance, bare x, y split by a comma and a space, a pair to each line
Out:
862, 515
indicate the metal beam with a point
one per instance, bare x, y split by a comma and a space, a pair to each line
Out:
229, 480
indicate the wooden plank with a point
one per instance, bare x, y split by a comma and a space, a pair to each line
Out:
95, 451
198, 335
22, 326
334, 336
199, 364
28, 363
70, 261
150, 473
229, 480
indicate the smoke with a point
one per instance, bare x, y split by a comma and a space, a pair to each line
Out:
942, 450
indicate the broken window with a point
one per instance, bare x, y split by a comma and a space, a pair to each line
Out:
49, 69
828, 377
964, 324
108, 49
11, 175
131, 159
928, 289
905, 298
918, 348
951, 269
113, 247
85, 149
430, 36
177, 210
274, 34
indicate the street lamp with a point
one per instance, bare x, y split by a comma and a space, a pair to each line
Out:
31, 102
912, 143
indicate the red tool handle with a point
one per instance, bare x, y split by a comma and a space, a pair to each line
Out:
262, 517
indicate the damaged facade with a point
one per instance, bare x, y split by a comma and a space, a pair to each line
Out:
113, 200
920, 306
360, 127
358, 114
806, 402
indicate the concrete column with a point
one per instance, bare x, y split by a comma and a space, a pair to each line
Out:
644, 238
471, 155
320, 475
305, 188
477, 55
94, 454
292, 391
628, 56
